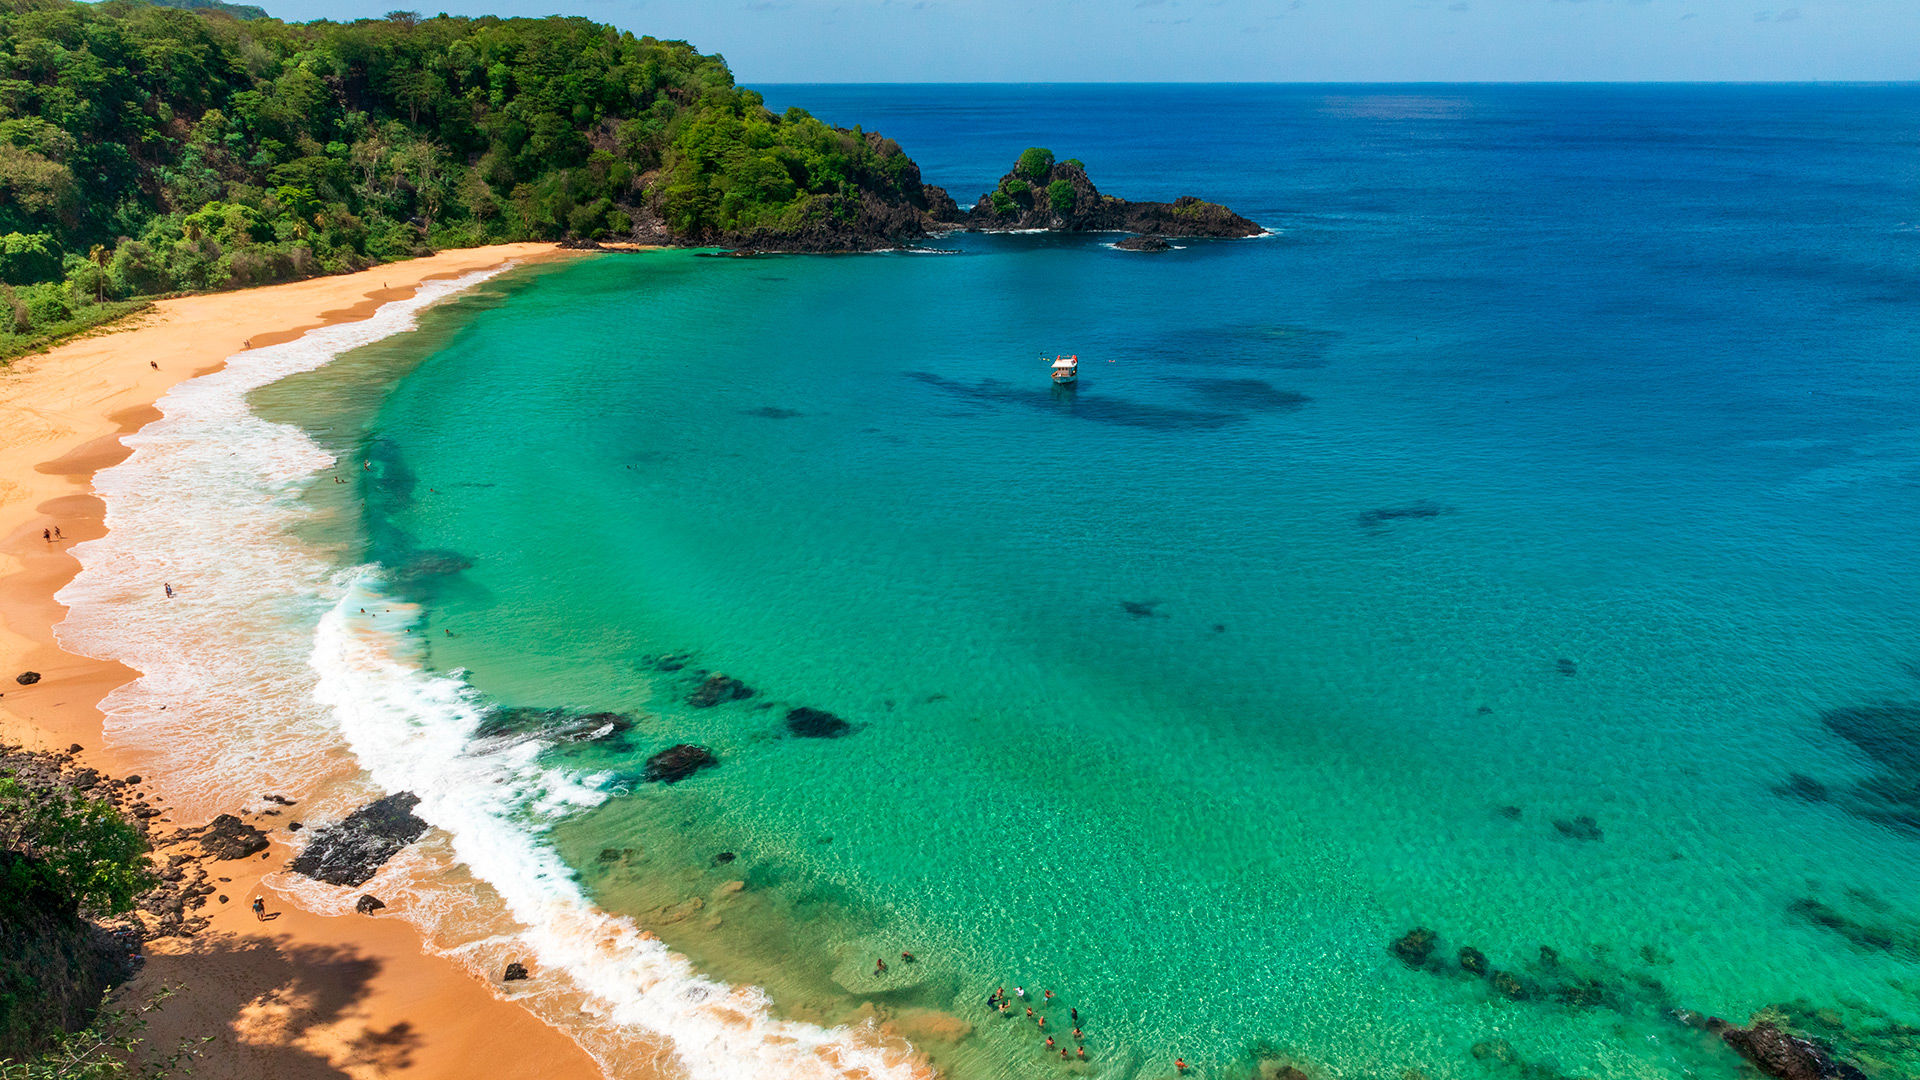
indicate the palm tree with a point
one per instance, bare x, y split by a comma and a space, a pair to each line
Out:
98, 256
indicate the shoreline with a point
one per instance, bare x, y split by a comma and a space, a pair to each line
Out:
305, 994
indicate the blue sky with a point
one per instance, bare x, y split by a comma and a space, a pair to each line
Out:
1259, 40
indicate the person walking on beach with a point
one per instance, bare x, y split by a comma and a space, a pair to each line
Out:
168, 585
260, 908
56, 533
47, 535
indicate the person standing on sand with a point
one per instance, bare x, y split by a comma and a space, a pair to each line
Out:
168, 585
260, 908
56, 533
47, 535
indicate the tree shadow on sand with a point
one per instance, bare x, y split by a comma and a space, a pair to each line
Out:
262, 1002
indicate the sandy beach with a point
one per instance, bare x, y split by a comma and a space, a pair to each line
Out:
301, 995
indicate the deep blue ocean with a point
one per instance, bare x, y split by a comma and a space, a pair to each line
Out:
1521, 544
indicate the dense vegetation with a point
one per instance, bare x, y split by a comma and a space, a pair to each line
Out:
149, 149
63, 855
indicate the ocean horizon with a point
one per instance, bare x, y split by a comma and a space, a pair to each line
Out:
1467, 632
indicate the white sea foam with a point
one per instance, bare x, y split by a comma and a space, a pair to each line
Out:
415, 731
205, 503
261, 673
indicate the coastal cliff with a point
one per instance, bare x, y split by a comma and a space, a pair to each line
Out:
1056, 196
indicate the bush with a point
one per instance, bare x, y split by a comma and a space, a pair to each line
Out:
1003, 203
1060, 193
1016, 187
80, 847
26, 258
1035, 162
137, 271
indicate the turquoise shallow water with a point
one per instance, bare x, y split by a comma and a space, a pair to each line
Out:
1485, 552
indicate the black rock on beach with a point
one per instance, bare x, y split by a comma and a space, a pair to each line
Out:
350, 851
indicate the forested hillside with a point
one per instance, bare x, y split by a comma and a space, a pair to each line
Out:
148, 149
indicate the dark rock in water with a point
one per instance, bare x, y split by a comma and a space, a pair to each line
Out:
1860, 933
816, 724
279, 800
673, 661
1579, 828
1142, 609
1414, 946
422, 565
676, 763
1566, 667
1511, 813
1549, 956
294, 826
1484, 710
592, 727
27, 678
560, 724
515, 972
1219, 628
1509, 984
1582, 993
609, 855
227, 837
1803, 787
134, 779
1887, 731
1144, 243
349, 851
1495, 1050
719, 688
368, 904
1472, 960
773, 412
1785, 1056
724, 858
1373, 519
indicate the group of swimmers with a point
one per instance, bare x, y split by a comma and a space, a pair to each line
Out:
999, 1002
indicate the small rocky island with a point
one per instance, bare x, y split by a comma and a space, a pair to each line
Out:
893, 208
1041, 193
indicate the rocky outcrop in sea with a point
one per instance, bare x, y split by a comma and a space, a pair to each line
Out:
1057, 196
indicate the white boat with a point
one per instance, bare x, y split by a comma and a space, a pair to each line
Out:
1066, 370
